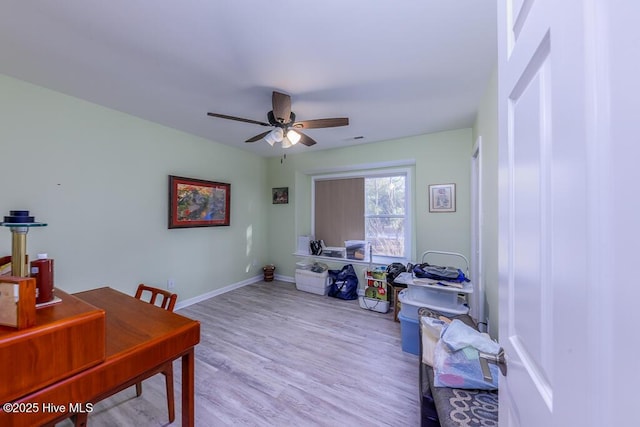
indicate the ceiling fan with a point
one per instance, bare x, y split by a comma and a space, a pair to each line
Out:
287, 129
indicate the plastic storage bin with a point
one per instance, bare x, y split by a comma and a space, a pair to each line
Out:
410, 306
410, 334
357, 249
437, 295
333, 252
316, 283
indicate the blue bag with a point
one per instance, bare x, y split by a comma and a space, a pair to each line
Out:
344, 283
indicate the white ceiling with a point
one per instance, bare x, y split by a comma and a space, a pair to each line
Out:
396, 68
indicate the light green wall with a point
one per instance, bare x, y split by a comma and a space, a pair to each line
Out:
439, 158
98, 177
486, 126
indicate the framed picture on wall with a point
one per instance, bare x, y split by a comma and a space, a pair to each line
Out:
198, 203
442, 198
280, 196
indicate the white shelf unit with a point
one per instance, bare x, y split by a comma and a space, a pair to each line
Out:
340, 260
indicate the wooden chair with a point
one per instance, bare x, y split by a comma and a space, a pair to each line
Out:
7, 259
166, 300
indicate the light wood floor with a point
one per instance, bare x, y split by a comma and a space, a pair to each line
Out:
271, 355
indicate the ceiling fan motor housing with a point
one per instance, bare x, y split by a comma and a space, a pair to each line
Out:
277, 122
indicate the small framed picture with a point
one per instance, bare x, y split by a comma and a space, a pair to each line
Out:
442, 198
280, 196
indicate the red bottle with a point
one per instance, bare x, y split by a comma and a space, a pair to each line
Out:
42, 271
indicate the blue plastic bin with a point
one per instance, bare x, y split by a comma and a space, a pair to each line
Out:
410, 334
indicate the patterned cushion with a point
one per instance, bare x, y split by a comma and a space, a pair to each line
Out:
464, 408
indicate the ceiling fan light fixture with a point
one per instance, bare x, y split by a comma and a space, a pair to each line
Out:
286, 143
293, 136
274, 136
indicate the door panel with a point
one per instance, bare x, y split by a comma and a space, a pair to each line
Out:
527, 338
531, 298
526, 100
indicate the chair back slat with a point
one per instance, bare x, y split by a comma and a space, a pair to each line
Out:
168, 299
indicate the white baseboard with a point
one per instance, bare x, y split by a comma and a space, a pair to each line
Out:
249, 281
282, 278
194, 300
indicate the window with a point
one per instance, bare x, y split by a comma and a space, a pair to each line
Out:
385, 214
372, 205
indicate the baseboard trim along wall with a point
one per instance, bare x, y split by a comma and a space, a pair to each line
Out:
249, 281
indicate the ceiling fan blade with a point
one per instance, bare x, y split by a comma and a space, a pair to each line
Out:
238, 119
306, 140
321, 123
258, 137
281, 107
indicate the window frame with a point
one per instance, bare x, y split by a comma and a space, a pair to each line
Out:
376, 172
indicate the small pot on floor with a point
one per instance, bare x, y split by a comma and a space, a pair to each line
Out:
268, 272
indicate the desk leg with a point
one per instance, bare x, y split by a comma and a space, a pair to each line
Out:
188, 403
396, 303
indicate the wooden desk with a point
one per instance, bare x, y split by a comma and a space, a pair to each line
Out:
139, 338
68, 338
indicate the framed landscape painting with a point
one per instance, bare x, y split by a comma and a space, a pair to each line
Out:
198, 203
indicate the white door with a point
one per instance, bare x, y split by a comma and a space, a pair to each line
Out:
526, 251
569, 97
543, 230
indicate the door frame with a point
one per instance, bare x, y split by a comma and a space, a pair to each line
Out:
477, 271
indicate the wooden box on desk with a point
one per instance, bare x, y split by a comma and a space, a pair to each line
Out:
17, 301
68, 337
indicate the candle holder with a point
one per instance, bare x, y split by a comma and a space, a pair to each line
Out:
20, 222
